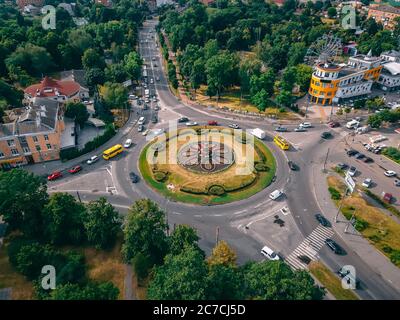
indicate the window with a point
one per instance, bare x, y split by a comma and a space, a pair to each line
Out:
38, 148
14, 152
46, 137
48, 146
22, 139
35, 139
1, 154
26, 149
11, 143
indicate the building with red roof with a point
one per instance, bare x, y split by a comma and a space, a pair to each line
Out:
59, 90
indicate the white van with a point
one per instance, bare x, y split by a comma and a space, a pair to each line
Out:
275, 194
362, 130
141, 120
352, 124
269, 253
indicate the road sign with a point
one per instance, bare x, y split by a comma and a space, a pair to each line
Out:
350, 182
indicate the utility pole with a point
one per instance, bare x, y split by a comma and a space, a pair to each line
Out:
350, 222
166, 214
326, 159
217, 236
340, 205
308, 104
79, 197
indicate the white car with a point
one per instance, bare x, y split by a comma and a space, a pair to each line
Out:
234, 126
132, 97
128, 143
389, 173
275, 194
367, 183
305, 125
151, 80
92, 160
352, 171
269, 253
191, 123
145, 132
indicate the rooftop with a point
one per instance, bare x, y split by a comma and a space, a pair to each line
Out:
385, 8
49, 87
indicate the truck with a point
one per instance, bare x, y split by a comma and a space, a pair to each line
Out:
352, 124
362, 129
257, 132
147, 93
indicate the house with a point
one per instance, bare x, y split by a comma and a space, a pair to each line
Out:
59, 90
389, 79
31, 134
23, 3
384, 14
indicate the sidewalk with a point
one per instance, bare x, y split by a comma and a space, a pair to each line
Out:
371, 256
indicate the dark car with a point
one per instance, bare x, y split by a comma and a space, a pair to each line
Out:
154, 120
75, 169
334, 246
351, 152
334, 124
342, 166
212, 123
305, 259
183, 119
292, 165
326, 135
368, 159
134, 177
322, 220
360, 155
280, 129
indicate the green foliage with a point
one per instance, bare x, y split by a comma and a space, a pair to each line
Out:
222, 71
190, 189
335, 195
89, 291
133, 64
183, 236
160, 176
260, 99
392, 153
77, 111
115, 96
142, 264
92, 59
11, 95
216, 190
259, 166
102, 223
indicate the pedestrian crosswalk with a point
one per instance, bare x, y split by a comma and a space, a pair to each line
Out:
309, 247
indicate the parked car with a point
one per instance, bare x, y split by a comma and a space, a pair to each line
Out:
305, 259
326, 135
322, 220
140, 128
359, 155
292, 165
281, 129
334, 124
342, 166
352, 171
367, 183
269, 253
234, 126
154, 119
351, 152
54, 176
134, 177
351, 279
191, 123
387, 197
389, 173
157, 78
300, 129
75, 169
212, 123
397, 183
275, 194
305, 125
128, 143
145, 132
183, 119
92, 160
334, 246
368, 159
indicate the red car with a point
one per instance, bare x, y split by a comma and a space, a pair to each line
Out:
334, 124
55, 175
212, 123
75, 169
387, 197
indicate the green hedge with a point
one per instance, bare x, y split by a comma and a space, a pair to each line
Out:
392, 153
259, 166
216, 190
160, 176
189, 189
72, 153
243, 185
335, 195
378, 199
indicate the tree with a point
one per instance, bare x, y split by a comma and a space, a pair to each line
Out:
288, 79
375, 121
116, 73
296, 53
274, 280
92, 59
248, 67
145, 231
133, 64
221, 71
222, 254
181, 277
94, 77
89, 291
80, 40
284, 98
347, 110
260, 99
197, 74
303, 76
63, 220
224, 283
22, 198
115, 95
102, 223
77, 111
182, 237
265, 81
332, 12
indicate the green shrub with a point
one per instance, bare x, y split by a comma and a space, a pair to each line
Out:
216, 190
244, 184
141, 264
160, 176
360, 224
189, 189
260, 154
387, 249
335, 195
375, 238
259, 166
395, 257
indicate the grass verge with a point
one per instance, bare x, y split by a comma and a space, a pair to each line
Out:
331, 282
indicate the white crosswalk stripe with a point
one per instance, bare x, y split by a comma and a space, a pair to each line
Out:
309, 247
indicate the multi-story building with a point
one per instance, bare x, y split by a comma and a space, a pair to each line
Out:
332, 83
23, 3
384, 14
31, 134
389, 79
59, 90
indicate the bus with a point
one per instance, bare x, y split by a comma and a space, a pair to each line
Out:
112, 152
281, 142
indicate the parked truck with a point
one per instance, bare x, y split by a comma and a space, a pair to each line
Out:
257, 132
352, 124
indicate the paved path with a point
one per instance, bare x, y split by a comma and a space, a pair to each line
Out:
128, 294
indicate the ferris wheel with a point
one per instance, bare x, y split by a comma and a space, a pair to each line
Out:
324, 49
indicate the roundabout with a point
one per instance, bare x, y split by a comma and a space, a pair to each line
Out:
207, 165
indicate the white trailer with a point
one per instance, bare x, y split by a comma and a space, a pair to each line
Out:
257, 132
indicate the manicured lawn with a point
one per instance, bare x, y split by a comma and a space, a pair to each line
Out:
380, 230
331, 282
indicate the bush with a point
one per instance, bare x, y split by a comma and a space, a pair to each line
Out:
260, 154
392, 153
141, 264
259, 166
395, 257
189, 189
229, 188
335, 195
360, 224
216, 190
160, 176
